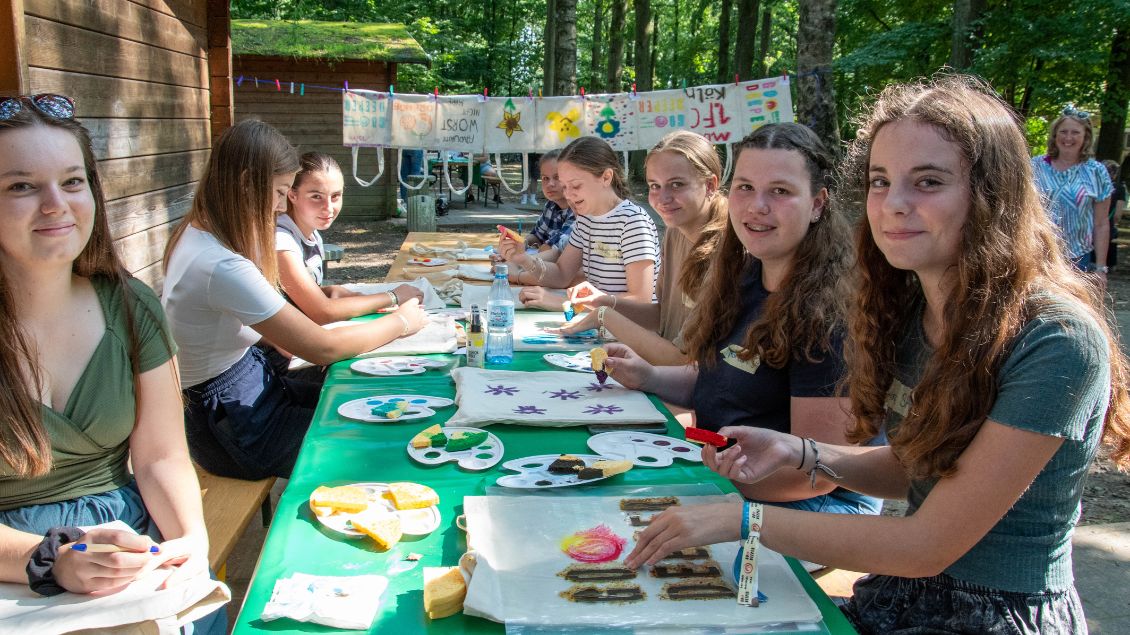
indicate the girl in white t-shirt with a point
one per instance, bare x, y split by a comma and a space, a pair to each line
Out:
313, 203
221, 294
614, 241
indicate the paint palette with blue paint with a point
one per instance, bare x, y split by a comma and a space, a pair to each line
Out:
419, 407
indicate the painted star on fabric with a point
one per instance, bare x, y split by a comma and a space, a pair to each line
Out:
600, 409
595, 387
529, 410
565, 395
511, 123
501, 390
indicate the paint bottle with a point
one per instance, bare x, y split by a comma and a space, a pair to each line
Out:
476, 356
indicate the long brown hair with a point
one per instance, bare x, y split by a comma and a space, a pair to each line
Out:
24, 443
798, 320
700, 154
234, 200
594, 155
1009, 270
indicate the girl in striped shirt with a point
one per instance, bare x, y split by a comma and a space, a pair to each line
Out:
614, 243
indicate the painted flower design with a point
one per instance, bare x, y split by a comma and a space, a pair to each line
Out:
501, 390
600, 409
511, 123
565, 395
595, 387
529, 410
608, 128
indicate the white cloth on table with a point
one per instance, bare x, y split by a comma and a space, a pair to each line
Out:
348, 602
545, 398
471, 272
431, 298
142, 607
437, 336
478, 294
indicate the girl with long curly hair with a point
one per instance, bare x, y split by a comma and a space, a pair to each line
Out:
991, 367
765, 339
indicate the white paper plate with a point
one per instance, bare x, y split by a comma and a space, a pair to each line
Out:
427, 262
644, 449
395, 366
413, 522
480, 457
533, 472
580, 362
419, 407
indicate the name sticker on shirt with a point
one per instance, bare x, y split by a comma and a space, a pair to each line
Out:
606, 251
730, 356
898, 398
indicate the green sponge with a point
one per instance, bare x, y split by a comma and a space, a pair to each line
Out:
464, 440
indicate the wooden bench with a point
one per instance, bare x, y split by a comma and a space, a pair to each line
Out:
229, 505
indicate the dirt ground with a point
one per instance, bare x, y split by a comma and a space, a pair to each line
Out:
371, 247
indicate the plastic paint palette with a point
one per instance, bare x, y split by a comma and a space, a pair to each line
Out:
419, 407
580, 362
413, 522
645, 449
533, 472
395, 366
427, 262
485, 455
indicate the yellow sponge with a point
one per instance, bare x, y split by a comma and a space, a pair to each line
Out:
411, 495
444, 591
347, 499
384, 530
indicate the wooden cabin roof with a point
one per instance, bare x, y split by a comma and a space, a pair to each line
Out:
334, 41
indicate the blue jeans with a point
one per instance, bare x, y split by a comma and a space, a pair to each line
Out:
1085, 263
248, 422
122, 504
941, 604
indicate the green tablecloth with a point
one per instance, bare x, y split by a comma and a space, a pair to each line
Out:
339, 451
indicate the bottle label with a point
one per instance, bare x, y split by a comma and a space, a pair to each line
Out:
501, 316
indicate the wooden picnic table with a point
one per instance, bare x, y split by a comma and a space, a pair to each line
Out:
339, 451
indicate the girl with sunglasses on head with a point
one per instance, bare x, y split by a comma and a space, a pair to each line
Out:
313, 203
683, 178
992, 369
765, 341
221, 295
614, 243
1076, 190
90, 385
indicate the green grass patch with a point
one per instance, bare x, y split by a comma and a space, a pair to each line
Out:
336, 41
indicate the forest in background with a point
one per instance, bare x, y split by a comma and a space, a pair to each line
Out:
1038, 55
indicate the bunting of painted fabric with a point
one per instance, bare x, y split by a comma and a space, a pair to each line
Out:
510, 124
413, 121
765, 101
722, 113
365, 120
611, 118
560, 120
461, 123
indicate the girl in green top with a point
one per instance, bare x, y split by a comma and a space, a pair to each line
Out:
89, 380
988, 362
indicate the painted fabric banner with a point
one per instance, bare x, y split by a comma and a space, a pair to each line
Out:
511, 125
722, 113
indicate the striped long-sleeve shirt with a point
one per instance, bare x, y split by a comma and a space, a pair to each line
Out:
610, 242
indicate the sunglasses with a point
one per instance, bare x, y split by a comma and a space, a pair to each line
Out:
1071, 111
48, 104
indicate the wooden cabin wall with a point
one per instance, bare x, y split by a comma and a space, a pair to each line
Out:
138, 72
313, 121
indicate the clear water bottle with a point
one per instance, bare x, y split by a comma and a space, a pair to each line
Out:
500, 319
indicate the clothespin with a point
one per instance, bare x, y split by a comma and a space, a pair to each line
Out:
532, 94
256, 82
278, 85
684, 84
292, 88
735, 79
390, 91
539, 93
633, 88
301, 89
435, 93
347, 85
485, 92
582, 92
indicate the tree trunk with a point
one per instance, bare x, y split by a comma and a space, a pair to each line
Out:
549, 64
1116, 99
654, 45
816, 101
766, 38
1025, 106
724, 41
965, 13
565, 56
616, 45
595, 84
642, 51
748, 11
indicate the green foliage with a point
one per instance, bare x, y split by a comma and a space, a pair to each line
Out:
330, 40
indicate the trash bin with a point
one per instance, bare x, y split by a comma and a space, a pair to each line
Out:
421, 213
